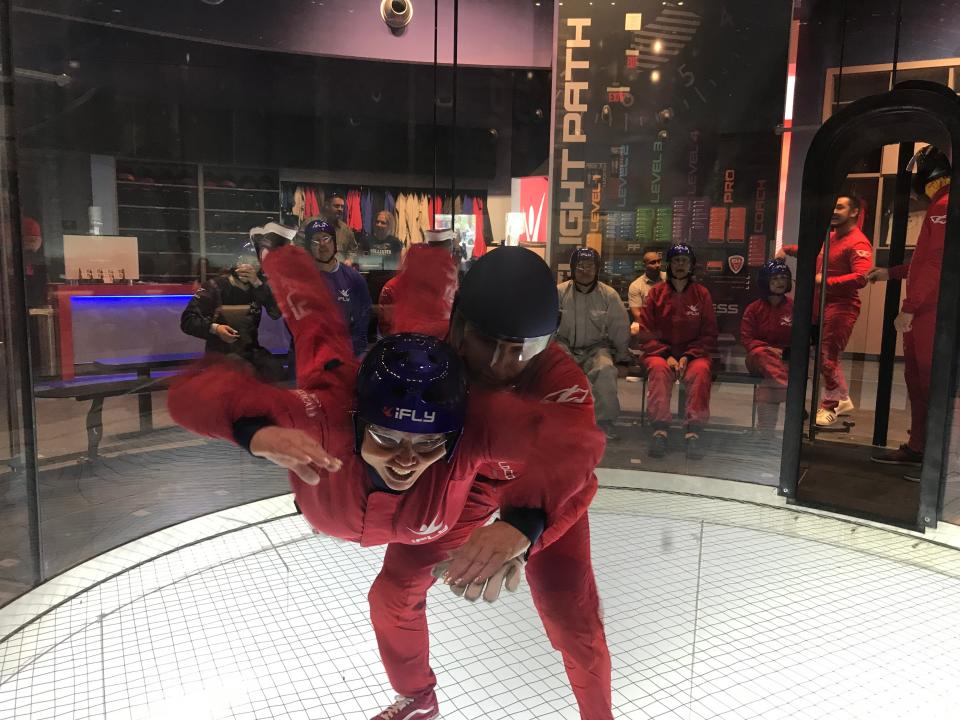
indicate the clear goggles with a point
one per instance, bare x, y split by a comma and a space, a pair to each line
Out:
518, 350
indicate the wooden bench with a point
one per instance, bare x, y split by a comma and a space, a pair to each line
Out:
89, 388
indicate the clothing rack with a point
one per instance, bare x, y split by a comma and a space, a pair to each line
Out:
412, 208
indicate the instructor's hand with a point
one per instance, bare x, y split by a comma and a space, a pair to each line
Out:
878, 274
485, 551
682, 367
506, 576
294, 450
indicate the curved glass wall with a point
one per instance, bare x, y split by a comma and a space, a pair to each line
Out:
149, 140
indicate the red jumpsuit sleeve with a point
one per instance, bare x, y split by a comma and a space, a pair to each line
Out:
210, 397
321, 338
704, 346
924, 279
386, 309
557, 444
750, 329
649, 327
860, 259
900, 272
422, 292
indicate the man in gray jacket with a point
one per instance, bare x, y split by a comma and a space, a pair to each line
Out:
595, 330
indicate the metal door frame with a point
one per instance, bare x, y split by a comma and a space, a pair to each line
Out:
914, 111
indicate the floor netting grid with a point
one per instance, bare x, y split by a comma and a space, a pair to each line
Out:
705, 619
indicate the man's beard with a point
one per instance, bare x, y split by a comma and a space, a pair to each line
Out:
379, 234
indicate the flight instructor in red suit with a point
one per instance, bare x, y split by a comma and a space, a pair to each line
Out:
851, 257
918, 314
678, 329
542, 492
765, 334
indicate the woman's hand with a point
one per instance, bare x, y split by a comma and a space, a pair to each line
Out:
294, 450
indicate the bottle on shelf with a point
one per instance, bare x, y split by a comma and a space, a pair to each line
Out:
100, 274
89, 274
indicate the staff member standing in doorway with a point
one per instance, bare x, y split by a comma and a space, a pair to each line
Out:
849, 261
918, 314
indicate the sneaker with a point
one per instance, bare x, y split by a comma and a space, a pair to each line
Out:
827, 417
658, 445
912, 477
422, 707
903, 455
845, 406
694, 450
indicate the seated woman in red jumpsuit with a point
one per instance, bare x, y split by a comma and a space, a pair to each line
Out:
678, 328
378, 479
765, 333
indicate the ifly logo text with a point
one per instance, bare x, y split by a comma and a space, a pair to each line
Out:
413, 415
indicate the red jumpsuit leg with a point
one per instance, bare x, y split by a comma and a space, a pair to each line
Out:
565, 593
398, 604
698, 378
838, 321
764, 362
918, 359
660, 379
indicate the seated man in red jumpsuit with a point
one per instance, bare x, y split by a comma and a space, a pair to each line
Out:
678, 328
444, 509
765, 333
918, 313
851, 257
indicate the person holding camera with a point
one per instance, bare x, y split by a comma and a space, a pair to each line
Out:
226, 311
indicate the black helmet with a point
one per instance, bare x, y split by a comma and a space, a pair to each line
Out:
930, 164
510, 294
680, 250
770, 269
586, 253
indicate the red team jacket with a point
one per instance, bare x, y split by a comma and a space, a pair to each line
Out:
851, 257
923, 270
680, 323
504, 432
765, 325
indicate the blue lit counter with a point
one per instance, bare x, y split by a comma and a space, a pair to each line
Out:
118, 321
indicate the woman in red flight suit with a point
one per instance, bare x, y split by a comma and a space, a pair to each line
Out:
765, 333
378, 480
679, 329
851, 257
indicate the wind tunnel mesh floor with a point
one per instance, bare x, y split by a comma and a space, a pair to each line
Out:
705, 619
